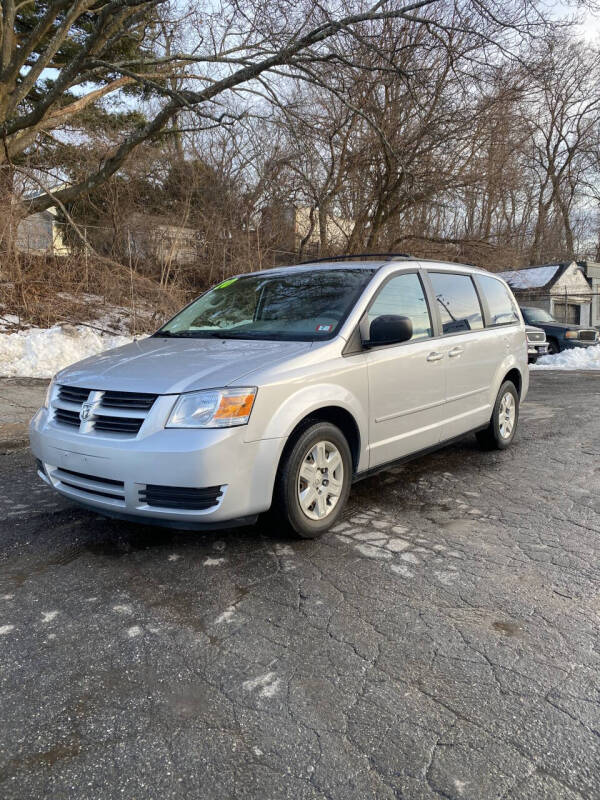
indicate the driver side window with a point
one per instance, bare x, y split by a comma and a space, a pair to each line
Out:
404, 296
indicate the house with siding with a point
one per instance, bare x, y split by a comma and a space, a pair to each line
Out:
562, 289
591, 270
41, 234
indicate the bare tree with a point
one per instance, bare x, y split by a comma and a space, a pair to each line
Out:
89, 44
561, 111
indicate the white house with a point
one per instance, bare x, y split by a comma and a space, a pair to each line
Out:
591, 270
562, 289
42, 234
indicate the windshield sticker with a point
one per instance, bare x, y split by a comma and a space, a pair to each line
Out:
324, 328
226, 283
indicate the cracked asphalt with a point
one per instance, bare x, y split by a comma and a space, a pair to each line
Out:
441, 643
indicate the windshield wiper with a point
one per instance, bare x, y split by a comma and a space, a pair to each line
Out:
169, 334
222, 335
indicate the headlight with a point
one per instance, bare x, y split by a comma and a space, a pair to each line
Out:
216, 408
572, 335
49, 391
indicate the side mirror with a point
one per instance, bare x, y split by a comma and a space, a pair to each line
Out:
389, 329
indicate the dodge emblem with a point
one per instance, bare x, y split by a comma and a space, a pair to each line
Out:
86, 411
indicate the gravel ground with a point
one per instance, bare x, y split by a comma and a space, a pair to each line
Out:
442, 642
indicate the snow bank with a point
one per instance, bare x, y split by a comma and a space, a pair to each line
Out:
40, 352
578, 358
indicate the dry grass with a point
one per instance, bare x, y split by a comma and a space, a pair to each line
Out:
43, 291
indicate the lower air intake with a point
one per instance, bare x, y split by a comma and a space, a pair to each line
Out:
183, 498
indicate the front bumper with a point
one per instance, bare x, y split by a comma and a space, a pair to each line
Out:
111, 475
571, 344
535, 350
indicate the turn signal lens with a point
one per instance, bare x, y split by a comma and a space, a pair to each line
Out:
236, 407
571, 334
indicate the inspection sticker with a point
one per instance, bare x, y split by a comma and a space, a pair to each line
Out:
324, 328
226, 283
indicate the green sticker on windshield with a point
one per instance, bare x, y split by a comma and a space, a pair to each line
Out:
226, 283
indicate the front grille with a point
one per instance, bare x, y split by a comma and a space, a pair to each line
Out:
117, 424
536, 336
134, 400
588, 336
67, 417
89, 485
130, 410
181, 497
73, 394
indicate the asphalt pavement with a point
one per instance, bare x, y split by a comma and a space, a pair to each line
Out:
442, 642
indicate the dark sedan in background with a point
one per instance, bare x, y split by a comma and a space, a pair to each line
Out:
560, 335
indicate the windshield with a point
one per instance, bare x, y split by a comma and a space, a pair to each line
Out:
533, 315
301, 306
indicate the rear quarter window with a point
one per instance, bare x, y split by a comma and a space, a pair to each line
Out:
502, 306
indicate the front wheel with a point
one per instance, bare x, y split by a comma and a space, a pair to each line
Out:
553, 347
503, 424
314, 480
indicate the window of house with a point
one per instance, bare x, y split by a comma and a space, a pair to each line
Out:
503, 309
457, 302
404, 296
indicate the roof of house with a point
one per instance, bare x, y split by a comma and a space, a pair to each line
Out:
534, 277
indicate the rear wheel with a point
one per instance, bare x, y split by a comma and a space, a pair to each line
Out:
314, 479
503, 423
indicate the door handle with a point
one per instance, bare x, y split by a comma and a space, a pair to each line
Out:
456, 351
434, 356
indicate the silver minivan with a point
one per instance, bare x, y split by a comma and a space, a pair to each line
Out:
278, 389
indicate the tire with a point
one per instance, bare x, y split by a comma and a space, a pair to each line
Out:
532, 359
325, 493
553, 347
504, 420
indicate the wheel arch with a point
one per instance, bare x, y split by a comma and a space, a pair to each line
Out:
336, 415
514, 375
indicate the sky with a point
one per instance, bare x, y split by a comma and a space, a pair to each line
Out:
589, 29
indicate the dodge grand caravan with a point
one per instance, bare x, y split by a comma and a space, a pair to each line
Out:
277, 389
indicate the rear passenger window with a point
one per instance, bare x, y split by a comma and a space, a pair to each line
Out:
503, 309
404, 296
457, 302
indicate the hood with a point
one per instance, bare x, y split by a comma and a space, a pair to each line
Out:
170, 366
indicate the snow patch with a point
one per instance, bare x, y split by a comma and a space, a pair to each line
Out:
213, 562
401, 570
134, 631
397, 545
370, 551
270, 690
41, 352
268, 684
410, 558
587, 358
48, 616
226, 616
4, 629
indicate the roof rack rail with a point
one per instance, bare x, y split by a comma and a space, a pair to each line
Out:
348, 256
